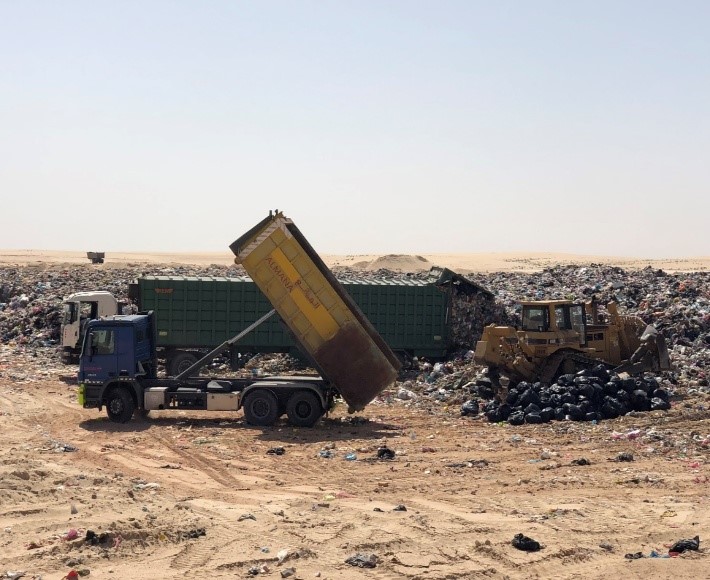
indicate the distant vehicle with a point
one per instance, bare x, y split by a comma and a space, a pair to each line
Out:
562, 337
96, 257
118, 363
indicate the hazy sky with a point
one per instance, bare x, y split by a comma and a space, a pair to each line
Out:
378, 126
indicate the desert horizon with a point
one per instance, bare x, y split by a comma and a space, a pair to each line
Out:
461, 262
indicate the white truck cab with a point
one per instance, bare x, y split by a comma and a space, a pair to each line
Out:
78, 309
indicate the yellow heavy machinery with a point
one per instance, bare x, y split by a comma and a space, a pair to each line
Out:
559, 337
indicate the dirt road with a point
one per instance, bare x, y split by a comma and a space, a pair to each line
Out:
199, 495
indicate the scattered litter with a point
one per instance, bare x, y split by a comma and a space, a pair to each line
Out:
385, 453
400, 508
624, 457
350, 457
525, 543
581, 461
276, 451
141, 486
684, 545
243, 517
362, 560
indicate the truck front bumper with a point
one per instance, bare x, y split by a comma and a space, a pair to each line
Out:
90, 396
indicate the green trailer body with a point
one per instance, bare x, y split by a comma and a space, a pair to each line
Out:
411, 314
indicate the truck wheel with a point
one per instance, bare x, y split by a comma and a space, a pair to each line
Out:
119, 405
180, 363
261, 408
304, 409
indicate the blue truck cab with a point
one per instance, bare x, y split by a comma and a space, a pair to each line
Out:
118, 352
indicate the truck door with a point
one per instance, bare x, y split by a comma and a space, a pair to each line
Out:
100, 360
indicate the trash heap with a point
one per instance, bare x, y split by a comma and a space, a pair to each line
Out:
31, 297
470, 312
676, 304
590, 395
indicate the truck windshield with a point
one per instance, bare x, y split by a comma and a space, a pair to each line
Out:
562, 317
69, 312
102, 342
577, 319
535, 318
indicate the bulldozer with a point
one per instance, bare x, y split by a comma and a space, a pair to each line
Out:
558, 337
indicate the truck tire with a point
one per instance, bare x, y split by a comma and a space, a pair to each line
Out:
119, 405
304, 409
180, 362
261, 408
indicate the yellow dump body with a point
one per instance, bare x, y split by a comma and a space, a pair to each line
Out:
325, 321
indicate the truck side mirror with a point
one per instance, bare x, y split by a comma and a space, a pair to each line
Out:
90, 345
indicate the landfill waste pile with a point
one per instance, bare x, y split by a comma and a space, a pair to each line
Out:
31, 297
678, 305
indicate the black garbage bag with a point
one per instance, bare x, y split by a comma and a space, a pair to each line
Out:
547, 414
658, 404
524, 543
493, 416
661, 394
516, 418
504, 411
611, 408
529, 396
532, 408
512, 396
533, 418
574, 411
684, 545
568, 399
484, 391
470, 408
385, 453
611, 389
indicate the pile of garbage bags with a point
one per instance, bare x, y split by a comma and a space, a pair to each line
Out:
590, 395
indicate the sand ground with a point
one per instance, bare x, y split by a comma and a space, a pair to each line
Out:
468, 487
198, 495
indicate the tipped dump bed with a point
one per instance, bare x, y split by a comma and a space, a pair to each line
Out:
327, 324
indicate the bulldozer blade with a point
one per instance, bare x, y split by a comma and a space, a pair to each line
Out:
651, 355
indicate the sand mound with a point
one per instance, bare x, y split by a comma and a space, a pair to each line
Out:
396, 262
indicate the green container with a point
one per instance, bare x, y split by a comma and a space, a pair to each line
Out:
411, 315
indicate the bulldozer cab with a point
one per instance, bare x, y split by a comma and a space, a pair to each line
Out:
556, 316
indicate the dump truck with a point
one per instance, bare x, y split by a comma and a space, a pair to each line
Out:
559, 337
96, 257
118, 363
195, 314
